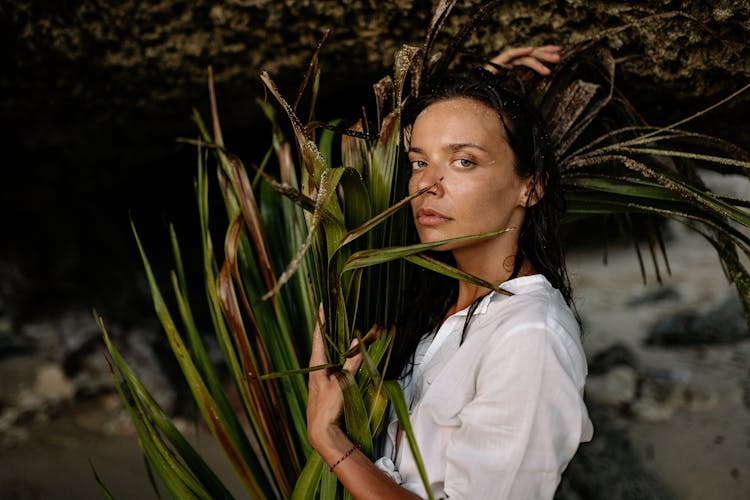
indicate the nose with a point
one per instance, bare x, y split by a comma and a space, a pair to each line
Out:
428, 176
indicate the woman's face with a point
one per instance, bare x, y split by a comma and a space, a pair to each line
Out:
460, 145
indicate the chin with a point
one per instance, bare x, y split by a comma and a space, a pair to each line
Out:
432, 239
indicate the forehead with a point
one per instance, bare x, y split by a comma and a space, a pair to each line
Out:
460, 106
459, 116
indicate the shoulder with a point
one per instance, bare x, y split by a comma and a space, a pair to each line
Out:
533, 322
534, 304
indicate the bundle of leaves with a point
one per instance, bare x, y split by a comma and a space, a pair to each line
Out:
330, 231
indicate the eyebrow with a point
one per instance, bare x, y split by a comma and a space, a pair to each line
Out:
453, 147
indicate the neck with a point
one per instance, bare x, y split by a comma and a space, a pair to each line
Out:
468, 293
492, 260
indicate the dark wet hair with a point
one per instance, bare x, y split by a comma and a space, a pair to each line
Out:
429, 295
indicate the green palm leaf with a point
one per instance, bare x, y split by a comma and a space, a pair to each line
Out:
338, 236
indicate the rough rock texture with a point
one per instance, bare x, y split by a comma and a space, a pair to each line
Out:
93, 95
144, 53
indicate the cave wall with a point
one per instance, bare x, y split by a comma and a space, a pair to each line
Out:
93, 95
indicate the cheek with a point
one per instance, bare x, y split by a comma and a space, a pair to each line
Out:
412, 184
482, 193
489, 203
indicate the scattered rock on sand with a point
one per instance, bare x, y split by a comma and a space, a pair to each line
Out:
616, 388
722, 323
615, 355
659, 294
609, 466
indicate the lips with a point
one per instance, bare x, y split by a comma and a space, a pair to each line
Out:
430, 217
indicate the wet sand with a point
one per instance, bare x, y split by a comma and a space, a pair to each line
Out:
703, 450
700, 452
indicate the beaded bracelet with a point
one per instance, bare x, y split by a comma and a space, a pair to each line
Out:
351, 450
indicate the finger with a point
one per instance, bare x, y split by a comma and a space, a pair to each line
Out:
352, 364
318, 353
532, 63
506, 56
546, 55
490, 68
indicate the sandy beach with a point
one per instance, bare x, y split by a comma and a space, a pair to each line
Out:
700, 450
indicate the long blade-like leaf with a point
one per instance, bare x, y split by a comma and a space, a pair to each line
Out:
398, 403
380, 256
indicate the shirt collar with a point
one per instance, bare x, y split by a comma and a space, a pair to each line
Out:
516, 285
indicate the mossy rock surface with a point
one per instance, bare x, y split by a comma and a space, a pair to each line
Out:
145, 54
93, 95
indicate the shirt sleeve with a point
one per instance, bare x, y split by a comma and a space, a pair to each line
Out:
524, 424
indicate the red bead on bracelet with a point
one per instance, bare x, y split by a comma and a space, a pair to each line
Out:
351, 450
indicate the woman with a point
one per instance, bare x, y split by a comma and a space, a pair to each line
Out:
494, 381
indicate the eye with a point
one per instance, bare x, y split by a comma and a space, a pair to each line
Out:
463, 163
418, 164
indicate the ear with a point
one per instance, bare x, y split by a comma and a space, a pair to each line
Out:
531, 193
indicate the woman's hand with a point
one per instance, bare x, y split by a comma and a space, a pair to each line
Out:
531, 57
325, 402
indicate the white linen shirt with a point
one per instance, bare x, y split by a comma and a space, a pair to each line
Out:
501, 415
